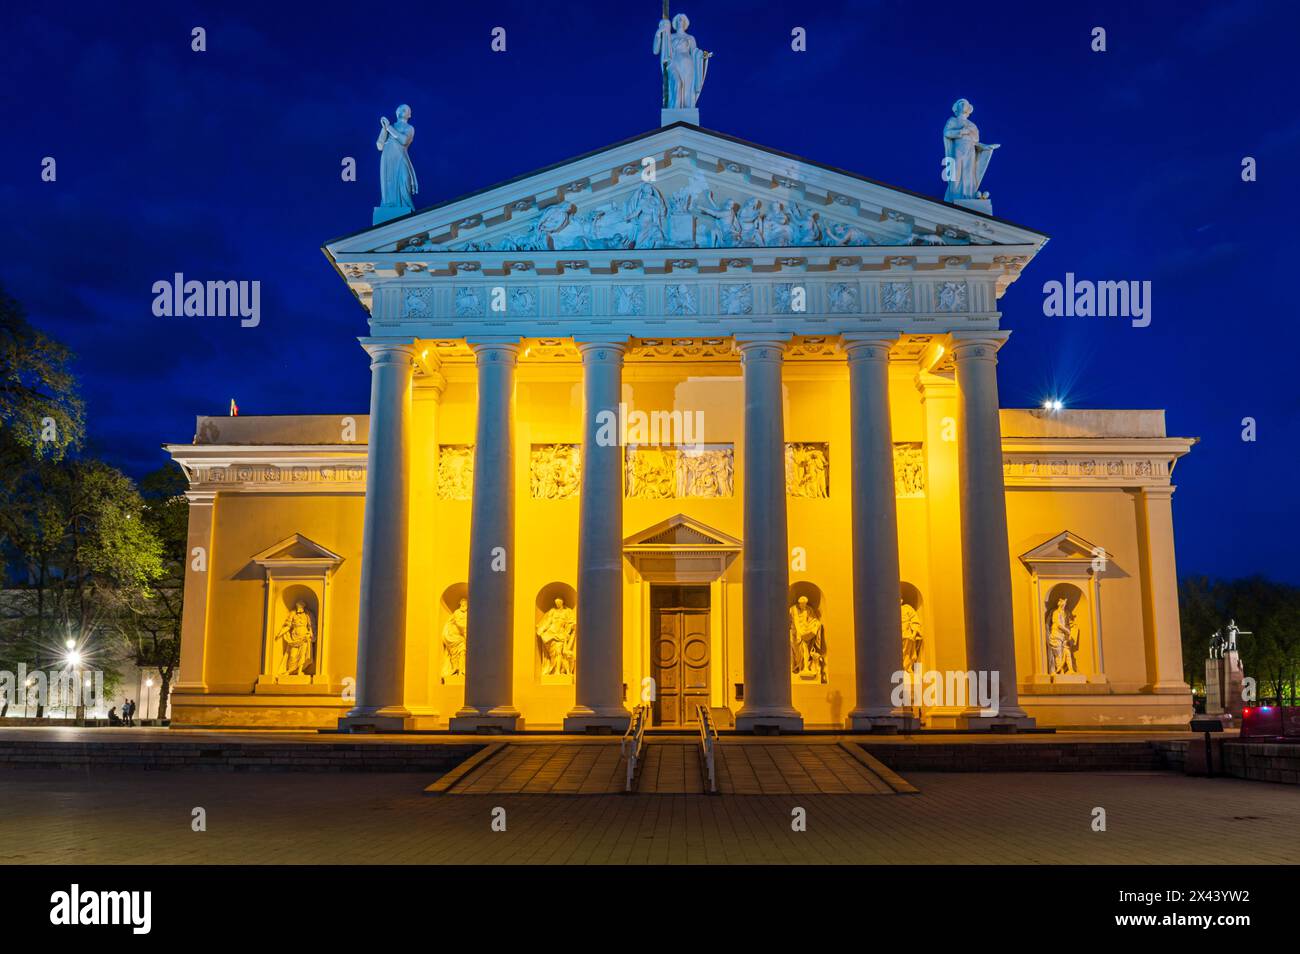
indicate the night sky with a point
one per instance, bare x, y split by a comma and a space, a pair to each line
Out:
225, 165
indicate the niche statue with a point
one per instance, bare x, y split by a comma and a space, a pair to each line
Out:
1062, 640
453, 641
807, 642
556, 639
296, 637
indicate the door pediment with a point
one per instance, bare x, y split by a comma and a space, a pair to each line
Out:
681, 550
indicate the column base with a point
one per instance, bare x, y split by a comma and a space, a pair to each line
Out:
883, 720
606, 718
377, 719
768, 720
501, 719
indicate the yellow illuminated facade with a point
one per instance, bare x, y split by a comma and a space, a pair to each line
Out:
599, 574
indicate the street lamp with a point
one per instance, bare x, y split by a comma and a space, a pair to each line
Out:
148, 684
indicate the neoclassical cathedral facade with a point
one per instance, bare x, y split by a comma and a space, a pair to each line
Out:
683, 421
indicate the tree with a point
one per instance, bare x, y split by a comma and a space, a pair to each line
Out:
42, 416
151, 622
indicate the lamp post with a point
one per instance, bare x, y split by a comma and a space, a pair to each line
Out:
148, 684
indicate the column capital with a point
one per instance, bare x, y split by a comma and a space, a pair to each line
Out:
966, 345
866, 345
201, 498
761, 347
601, 350
494, 349
388, 350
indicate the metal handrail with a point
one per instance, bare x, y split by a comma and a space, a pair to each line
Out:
633, 744
708, 740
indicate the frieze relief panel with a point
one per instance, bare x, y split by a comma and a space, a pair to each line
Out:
279, 476
555, 471
1113, 470
909, 469
455, 471
807, 470
658, 472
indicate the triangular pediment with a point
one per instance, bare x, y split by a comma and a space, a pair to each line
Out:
297, 550
1065, 547
681, 187
681, 531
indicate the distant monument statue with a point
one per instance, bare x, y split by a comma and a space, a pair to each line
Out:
453, 641
966, 159
807, 642
1224, 676
296, 635
683, 65
397, 181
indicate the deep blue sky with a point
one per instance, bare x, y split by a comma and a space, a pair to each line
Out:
225, 164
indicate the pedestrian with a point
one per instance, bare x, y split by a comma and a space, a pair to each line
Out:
128, 711
4, 702
113, 717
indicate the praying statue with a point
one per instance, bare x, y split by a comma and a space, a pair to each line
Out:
1062, 640
807, 642
911, 624
297, 636
556, 638
965, 158
397, 182
453, 640
683, 64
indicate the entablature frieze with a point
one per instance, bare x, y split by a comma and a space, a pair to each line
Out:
311, 469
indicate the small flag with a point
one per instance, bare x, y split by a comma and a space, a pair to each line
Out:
234, 408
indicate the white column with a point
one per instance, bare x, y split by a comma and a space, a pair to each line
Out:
599, 672
766, 570
381, 634
877, 626
1164, 641
489, 636
985, 553
194, 622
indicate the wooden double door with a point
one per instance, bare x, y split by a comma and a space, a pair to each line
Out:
680, 652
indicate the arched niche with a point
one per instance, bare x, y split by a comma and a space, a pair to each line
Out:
295, 643
451, 634
1068, 566
555, 634
809, 650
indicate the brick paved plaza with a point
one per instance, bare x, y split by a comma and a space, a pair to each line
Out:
136, 817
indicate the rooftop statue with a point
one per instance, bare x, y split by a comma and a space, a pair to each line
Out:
397, 181
683, 63
966, 159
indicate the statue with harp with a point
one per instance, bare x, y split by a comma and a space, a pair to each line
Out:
683, 64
